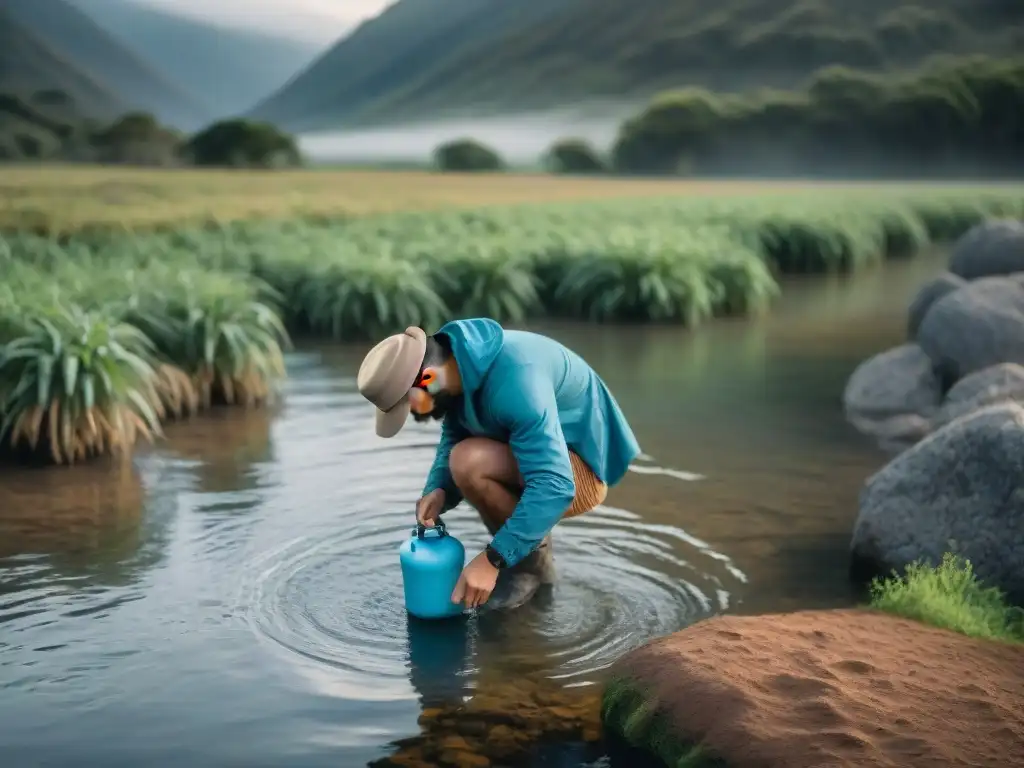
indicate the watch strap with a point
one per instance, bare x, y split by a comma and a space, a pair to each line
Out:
494, 557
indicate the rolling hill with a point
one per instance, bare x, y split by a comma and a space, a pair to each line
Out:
428, 59
228, 69
28, 66
98, 55
40, 95
387, 53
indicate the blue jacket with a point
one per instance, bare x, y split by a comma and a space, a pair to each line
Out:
542, 399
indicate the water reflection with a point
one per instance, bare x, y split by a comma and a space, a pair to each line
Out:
226, 446
439, 660
81, 523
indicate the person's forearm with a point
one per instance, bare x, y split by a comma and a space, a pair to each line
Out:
544, 501
440, 475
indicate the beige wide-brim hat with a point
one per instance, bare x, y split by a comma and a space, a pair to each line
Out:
386, 375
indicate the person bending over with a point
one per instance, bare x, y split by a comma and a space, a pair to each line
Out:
529, 434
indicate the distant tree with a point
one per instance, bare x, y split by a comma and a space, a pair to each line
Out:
467, 155
955, 116
29, 147
137, 139
241, 143
574, 156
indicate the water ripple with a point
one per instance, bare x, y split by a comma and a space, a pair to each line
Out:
336, 602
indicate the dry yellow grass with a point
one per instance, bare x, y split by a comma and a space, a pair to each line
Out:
61, 199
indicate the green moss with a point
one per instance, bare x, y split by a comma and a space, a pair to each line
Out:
631, 715
949, 596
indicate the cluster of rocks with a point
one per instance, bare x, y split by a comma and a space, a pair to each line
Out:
950, 404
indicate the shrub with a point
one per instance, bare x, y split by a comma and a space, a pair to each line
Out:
75, 384
574, 156
137, 139
241, 143
467, 155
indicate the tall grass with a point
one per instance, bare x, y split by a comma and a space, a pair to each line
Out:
213, 303
666, 260
949, 596
94, 356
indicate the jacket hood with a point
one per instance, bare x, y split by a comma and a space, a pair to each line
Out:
475, 344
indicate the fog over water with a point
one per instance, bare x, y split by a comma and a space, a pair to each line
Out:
519, 139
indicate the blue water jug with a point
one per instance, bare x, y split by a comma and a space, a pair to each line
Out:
432, 560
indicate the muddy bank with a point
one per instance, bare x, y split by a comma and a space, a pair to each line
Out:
816, 688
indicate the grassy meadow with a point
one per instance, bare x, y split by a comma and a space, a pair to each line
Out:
132, 297
68, 199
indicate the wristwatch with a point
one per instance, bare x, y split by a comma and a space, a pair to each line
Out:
494, 557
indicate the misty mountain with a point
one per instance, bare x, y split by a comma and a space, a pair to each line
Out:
29, 66
228, 69
391, 52
97, 54
434, 59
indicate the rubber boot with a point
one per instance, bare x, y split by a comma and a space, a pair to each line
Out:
517, 585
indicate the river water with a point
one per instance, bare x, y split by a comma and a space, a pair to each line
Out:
232, 597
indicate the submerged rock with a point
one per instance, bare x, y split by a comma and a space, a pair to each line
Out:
975, 327
991, 248
500, 725
927, 295
961, 489
821, 688
892, 395
1003, 383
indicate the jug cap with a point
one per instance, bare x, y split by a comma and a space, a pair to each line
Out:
420, 530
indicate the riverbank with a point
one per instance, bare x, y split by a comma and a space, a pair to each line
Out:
196, 317
930, 673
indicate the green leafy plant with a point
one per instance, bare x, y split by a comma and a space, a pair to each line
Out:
76, 384
351, 298
489, 282
215, 330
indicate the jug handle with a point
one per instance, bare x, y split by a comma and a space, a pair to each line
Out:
439, 526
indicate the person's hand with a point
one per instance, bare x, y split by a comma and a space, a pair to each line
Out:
476, 582
429, 508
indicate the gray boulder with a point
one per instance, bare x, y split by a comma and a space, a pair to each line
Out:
1001, 383
991, 248
961, 489
893, 395
927, 295
975, 327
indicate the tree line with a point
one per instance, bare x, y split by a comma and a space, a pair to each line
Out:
952, 117
46, 127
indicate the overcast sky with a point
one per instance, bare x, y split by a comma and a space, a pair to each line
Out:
319, 21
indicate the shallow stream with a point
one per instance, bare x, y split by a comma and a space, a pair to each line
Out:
232, 596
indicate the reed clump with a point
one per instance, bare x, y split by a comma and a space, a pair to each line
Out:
94, 357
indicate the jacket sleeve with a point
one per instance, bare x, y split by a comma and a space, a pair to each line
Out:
525, 404
440, 476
